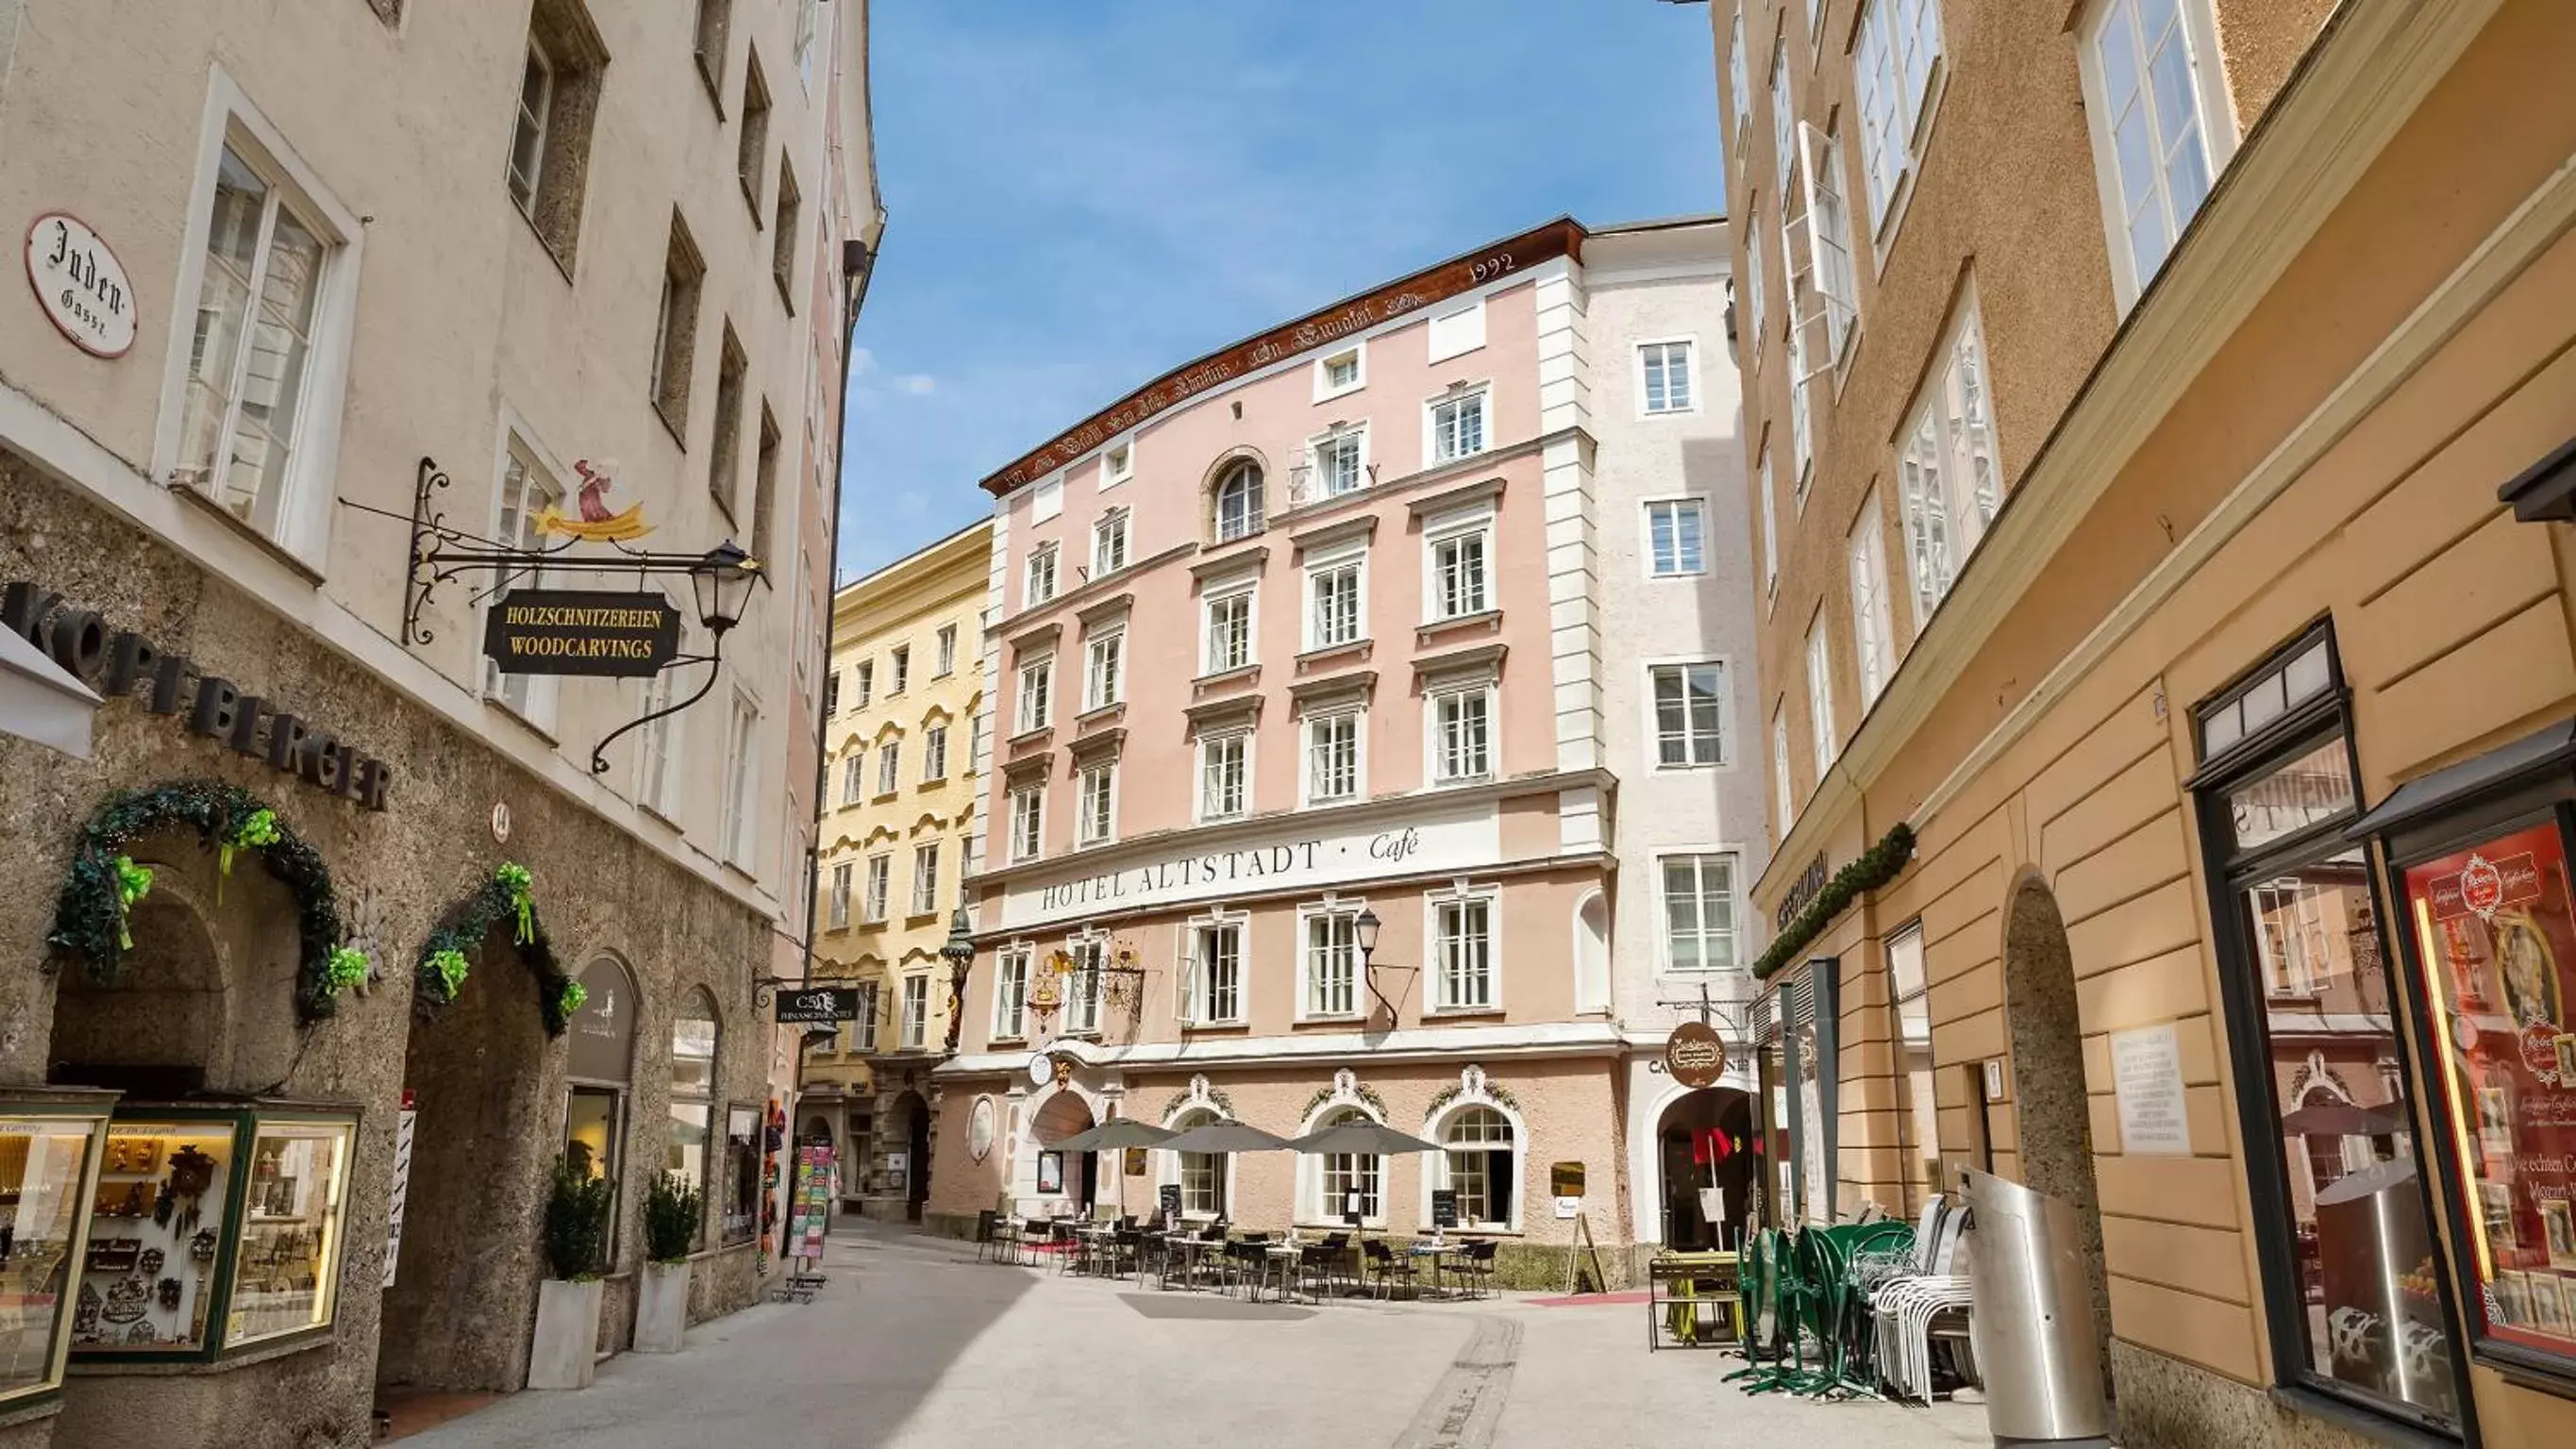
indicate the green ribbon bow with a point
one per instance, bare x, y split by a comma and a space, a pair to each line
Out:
133, 883
515, 879
450, 965
572, 996
258, 828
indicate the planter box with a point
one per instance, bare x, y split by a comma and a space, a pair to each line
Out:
566, 1351
662, 1308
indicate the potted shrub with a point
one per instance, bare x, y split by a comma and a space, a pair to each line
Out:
566, 1350
672, 1215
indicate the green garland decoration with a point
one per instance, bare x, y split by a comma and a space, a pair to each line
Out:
92, 915
1501, 1095
1361, 1090
256, 830
1216, 1098
1876, 867
508, 893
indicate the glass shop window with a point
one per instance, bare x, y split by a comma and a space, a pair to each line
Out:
282, 1278
742, 1174
693, 1077
148, 1283
43, 1160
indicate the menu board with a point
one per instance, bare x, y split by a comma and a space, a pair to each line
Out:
1444, 1207
2497, 934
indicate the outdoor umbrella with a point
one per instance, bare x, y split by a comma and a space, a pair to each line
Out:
1224, 1137
1360, 1139
2343, 1119
1113, 1135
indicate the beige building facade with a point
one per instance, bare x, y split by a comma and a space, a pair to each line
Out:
900, 783
2159, 412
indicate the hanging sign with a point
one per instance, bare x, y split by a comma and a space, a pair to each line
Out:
1694, 1055
80, 285
581, 631
819, 1006
1565, 1179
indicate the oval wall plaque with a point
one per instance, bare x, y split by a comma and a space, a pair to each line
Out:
80, 285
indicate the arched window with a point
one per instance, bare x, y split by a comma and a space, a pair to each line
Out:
600, 1055
1344, 1173
1238, 501
1202, 1174
693, 1086
1480, 1158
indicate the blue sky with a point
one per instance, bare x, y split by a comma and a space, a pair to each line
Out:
1082, 193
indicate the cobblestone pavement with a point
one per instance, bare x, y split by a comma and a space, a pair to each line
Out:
914, 1345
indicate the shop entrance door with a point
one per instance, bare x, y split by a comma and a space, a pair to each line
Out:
1705, 1140
917, 1180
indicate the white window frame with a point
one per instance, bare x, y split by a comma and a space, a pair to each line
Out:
1739, 78
1770, 529
1436, 997
1041, 569
1700, 861
1824, 739
916, 1011
1653, 719
1033, 695
1318, 1201
840, 907
1099, 827
741, 782
1678, 504
1198, 996
925, 878
1027, 823
1438, 1174
889, 766
1210, 747
2216, 115
1889, 52
535, 125
854, 776
1325, 388
1086, 985
899, 666
1356, 434
934, 754
1826, 288
657, 754
866, 676
1784, 115
877, 891
1947, 511
1480, 393
1357, 718
1117, 464
1013, 965
1247, 593
947, 652
1873, 627
1688, 342
1752, 329
1104, 668
1440, 534
1111, 544
1331, 908
1352, 560
1455, 331
1784, 790
534, 698
1254, 515
302, 521
1435, 764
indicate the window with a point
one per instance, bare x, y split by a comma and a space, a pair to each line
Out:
1666, 378
693, 1084
947, 654
527, 491
916, 1012
1801, 440
1028, 820
1341, 372
1333, 610
1784, 116
1332, 757
1754, 267
1739, 81
1949, 470
1822, 283
1216, 993
1238, 501
1096, 808
1224, 775
1462, 953
724, 459
1341, 462
764, 488
925, 878
1873, 636
889, 767
1202, 1175
872, 906
2161, 126
1332, 963
1676, 546
806, 27
1458, 573
1083, 986
250, 366
1457, 428
658, 772
1347, 1182
1689, 714
714, 17
1900, 43
900, 669
1482, 1166
1783, 797
854, 773
1461, 329
1699, 913
840, 916
675, 331
1037, 690
1820, 694
867, 678
1101, 679
1917, 1122
784, 235
934, 754
528, 138
1047, 502
863, 1030
741, 777
1041, 579
1109, 543
1462, 728
1770, 528
753, 139
832, 692
1229, 631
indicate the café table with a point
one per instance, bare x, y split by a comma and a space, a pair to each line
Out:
1438, 1253
1191, 1250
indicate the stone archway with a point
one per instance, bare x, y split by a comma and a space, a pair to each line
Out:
465, 1283
2055, 1140
1703, 1139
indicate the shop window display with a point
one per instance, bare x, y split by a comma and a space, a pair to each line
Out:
45, 1161
742, 1174
289, 1223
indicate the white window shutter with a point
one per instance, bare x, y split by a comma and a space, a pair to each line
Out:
1185, 982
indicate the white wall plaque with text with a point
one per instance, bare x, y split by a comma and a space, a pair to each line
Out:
2146, 1071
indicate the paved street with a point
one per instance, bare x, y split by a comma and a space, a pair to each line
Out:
917, 1346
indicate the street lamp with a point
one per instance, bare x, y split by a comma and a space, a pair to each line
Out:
1364, 929
959, 953
722, 582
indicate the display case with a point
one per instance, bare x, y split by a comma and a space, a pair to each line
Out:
212, 1228
50, 1146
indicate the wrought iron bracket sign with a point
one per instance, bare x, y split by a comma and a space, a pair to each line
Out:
818, 1006
582, 631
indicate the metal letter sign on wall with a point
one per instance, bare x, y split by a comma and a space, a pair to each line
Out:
581, 631
821, 1006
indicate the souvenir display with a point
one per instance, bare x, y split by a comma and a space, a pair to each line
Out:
282, 1270
145, 1213
42, 1161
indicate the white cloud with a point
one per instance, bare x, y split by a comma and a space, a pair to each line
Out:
918, 384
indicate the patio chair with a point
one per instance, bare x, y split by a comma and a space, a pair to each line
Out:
1385, 1267
1906, 1307
1476, 1266
1328, 1260
985, 1244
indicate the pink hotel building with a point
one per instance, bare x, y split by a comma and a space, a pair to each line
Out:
1301, 638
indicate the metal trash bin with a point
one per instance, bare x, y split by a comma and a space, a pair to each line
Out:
2032, 1326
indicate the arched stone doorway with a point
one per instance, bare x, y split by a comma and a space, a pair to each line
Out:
908, 1122
2055, 1146
818, 1131
1057, 1118
465, 1281
1704, 1145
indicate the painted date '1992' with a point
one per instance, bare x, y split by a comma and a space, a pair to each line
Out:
1490, 267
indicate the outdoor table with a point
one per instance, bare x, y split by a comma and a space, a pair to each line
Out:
1191, 1250
1438, 1253
1286, 1256
1096, 1239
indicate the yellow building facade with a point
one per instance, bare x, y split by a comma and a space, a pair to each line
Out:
897, 812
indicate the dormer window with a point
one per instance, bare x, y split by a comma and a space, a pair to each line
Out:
1238, 502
